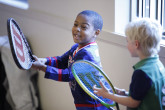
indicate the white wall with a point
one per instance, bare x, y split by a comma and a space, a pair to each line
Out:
47, 24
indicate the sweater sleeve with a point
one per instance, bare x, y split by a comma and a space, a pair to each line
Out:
140, 85
60, 62
63, 75
57, 67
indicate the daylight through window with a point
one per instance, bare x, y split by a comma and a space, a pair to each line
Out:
153, 9
23, 4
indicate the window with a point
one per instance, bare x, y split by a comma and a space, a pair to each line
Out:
153, 9
23, 4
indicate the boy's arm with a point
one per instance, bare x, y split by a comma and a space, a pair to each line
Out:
124, 100
52, 72
58, 61
57, 74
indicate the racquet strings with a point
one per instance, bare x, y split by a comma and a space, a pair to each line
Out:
90, 76
28, 58
28, 48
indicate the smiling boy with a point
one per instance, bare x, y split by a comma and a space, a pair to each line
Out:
87, 26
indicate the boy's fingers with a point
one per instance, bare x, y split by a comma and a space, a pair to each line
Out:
42, 60
95, 90
35, 57
116, 88
101, 84
94, 87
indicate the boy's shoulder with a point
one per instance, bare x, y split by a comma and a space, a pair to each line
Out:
90, 51
74, 46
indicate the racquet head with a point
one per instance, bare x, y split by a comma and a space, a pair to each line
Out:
87, 74
20, 49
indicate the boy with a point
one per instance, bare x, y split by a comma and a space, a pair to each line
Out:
147, 89
87, 27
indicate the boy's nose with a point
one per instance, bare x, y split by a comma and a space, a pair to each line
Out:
78, 29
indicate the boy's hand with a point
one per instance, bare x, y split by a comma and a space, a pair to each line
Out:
103, 91
121, 91
39, 63
42, 60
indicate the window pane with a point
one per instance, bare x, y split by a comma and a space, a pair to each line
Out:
147, 8
163, 16
153, 9
23, 4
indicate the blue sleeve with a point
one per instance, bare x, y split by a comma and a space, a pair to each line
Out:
63, 75
57, 67
140, 85
60, 62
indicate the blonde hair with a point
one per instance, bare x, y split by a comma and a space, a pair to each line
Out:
148, 32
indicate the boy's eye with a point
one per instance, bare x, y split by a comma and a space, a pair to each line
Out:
84, 27
75, 24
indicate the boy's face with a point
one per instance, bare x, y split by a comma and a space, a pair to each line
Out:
83, 30
131, 47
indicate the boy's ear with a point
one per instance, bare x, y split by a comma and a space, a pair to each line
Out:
137, 44
97, 32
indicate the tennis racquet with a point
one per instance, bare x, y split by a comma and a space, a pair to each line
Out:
87, 74
20, 49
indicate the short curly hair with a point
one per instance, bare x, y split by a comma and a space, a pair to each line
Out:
96, 18
148, 32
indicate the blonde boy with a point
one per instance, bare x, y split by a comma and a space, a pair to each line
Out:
147, 88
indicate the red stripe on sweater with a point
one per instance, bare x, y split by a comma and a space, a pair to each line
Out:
59, 74
56, 62
88, 105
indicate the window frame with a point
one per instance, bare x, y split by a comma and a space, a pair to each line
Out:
22, 4
137, 10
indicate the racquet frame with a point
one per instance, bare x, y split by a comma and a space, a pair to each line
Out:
12, 45
86, 89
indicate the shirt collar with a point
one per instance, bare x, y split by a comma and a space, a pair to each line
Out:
78, 49
146, 60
